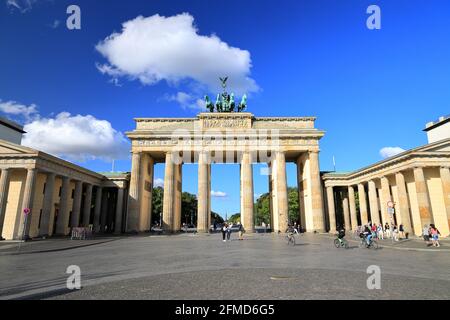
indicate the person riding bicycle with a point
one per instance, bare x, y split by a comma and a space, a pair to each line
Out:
341, 233
367, 234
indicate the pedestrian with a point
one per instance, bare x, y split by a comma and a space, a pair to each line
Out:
395, 233
401, 231
215, 225
224, 231
229, 231
241, 231
263, 224
380, 232
426, 234
435, 235
387, 230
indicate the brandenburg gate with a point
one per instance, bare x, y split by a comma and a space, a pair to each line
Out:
225, 137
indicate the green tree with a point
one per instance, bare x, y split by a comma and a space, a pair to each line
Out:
157, 204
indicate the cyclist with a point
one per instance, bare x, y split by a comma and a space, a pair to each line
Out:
367, 234
341, 233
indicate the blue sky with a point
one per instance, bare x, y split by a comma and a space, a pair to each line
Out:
369, 89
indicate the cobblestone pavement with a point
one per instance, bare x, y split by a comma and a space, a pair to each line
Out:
262, 266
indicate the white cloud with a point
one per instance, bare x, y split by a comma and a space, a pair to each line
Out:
156, 48
77, 138
158, 183
21, 5
388, 152
187, 101
18, 109
218, 194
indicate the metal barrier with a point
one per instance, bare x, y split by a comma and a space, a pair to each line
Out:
81, 233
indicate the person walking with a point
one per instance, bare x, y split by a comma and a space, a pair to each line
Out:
241, 231
395, 233
426, 234
224, 231
387, 230
435, 235
401, 231
380, 232
229, 231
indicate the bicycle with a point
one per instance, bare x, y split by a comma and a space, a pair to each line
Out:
341, 243
372, 243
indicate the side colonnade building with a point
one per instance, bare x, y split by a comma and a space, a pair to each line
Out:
58, 194
417, 181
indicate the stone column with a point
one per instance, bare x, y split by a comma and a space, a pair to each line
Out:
202, 206
385, 198
47, 205
346, 212
362, 204
97, 208
87, 205
27, 203
4, 190
76, 208
403, 205
373, 202
423, 199
279, 189
445, 179
134, 194
209, 195
62, 221
354, 219
331, 209
177, 197
247, 214
270, 198
104, 219
168, 201
316, 192
119, 211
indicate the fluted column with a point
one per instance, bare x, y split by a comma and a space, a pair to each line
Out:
119, 210
270, 198
177, 196
445, 179
354, 218
104, 216
4, 190
385, 198
402, 208
47, 205
346, 210
316, 192
331, 209
76, 207
362, 204
134, 208
373, 202
423, 199
202, 206
27, 203
168, 204
247, 193
279, 189
62, 221
97, 208
87, 205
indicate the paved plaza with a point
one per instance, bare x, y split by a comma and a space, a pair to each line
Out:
196, 266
